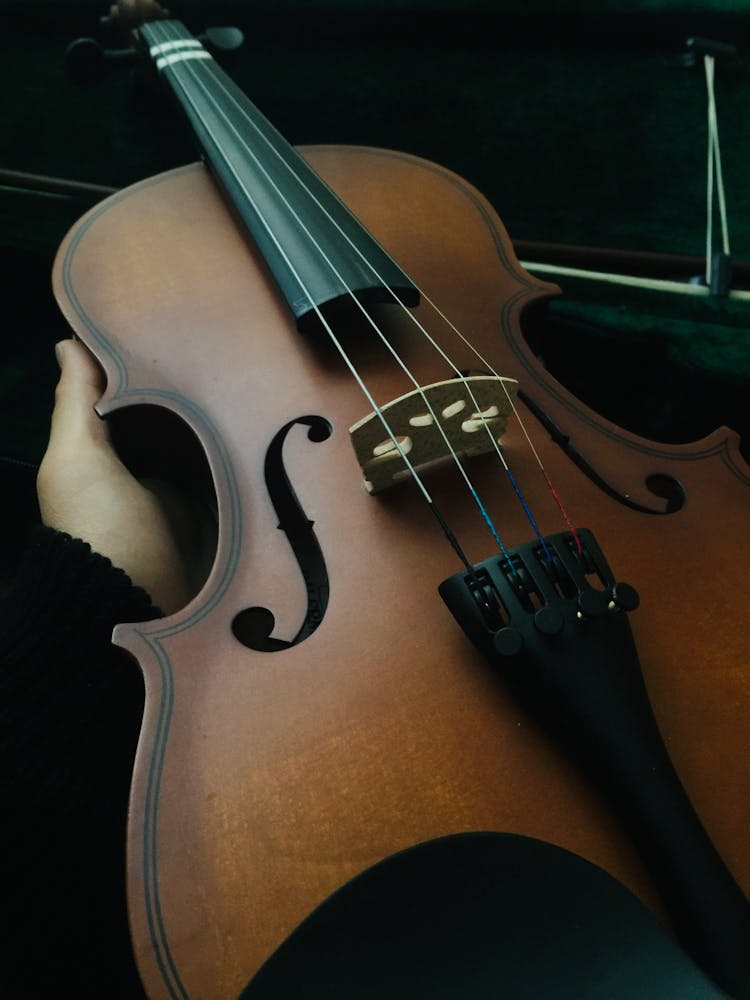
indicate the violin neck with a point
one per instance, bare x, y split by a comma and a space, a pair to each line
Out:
315, 247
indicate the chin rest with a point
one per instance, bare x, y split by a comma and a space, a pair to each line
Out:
481, 916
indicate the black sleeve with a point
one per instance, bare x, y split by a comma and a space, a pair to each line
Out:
70, 706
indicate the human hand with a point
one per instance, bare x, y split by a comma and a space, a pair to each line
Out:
85, 490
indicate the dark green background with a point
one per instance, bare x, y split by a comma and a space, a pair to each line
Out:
578, 121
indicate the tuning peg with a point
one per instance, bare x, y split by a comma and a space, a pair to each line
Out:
86, 61
224, 39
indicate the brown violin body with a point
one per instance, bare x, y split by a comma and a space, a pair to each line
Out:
265, 780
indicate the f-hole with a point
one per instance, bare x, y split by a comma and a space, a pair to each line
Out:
253, 626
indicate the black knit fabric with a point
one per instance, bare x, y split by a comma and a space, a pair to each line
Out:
70, 711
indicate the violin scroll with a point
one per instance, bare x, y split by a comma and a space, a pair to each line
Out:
87, 61
127, 16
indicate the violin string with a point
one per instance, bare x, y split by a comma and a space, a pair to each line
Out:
388, 345
436, 346
550, 485
192, 55
449, 534
470, 486
459, 375
553, 491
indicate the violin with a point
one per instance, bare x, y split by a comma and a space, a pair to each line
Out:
445, 595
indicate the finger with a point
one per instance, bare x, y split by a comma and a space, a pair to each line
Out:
79, 388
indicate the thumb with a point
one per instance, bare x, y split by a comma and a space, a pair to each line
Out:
79, 388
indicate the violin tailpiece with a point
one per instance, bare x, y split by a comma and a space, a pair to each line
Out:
552, 621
